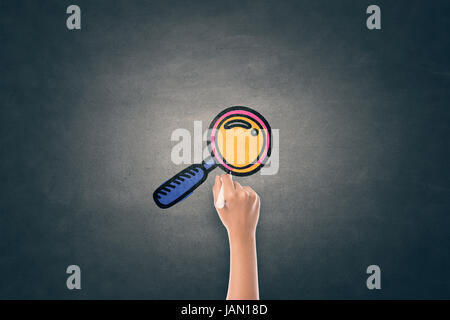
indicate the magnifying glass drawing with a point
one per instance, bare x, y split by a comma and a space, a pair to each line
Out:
239, 141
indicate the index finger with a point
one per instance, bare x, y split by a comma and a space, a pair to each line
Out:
228, 186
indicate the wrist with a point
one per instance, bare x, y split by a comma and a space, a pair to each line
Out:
241, 238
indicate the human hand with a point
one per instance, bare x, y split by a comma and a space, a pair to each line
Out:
241, 211
240, 217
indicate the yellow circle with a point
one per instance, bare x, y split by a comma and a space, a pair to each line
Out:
240, 141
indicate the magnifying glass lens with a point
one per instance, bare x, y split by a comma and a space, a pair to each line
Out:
240, 140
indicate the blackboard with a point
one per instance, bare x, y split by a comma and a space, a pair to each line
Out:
364, 149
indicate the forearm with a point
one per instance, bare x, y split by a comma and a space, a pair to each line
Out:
243, 282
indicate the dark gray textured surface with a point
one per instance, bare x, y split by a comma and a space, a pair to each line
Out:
86, 118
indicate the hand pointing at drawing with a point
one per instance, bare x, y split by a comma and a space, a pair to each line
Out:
241, 211
240, 217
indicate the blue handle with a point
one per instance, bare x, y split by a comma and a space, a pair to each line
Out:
182, 184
